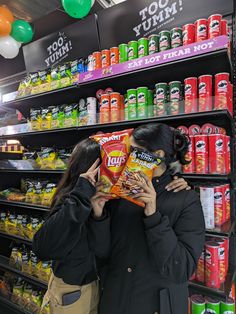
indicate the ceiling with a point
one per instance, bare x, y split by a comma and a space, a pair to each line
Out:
31, 10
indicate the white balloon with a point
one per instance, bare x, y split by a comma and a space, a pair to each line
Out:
9, 48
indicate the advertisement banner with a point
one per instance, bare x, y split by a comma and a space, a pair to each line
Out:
134, 19
72, 42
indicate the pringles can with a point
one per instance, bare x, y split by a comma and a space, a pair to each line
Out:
161, 98
97, 60
132, 103
92, 110
132, 50
219, 205
190, 91
198, 304
207, 129
212, 265
114, 55
142, 47
227, 155
150, 103
227, 202
224, 27
123, 53
176, 37
106, 58
105, 108
201, 27
126, 108
194, 129
205, 93
200, 271
188, 34
175, 89
222, 259
142, 108
217, 150
201, 154
190, 156
115, 105
153, 45
212, 306
221, 90
227, 307
214, 25
164, 40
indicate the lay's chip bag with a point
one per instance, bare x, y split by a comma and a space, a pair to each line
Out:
114, 151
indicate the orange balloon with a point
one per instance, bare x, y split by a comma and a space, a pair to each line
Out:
5, 26
6, 13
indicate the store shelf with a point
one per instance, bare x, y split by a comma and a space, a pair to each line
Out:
15, 238
4, 265
33, 171
24, 205
13, 306
207, 177
224, 231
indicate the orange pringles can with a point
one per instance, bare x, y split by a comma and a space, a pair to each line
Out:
114, 55
97, 60
217, 148
106, 58
105, 108
115, 101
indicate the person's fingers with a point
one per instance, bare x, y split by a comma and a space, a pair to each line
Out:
177, 183
142, 185
147, 180
146, 200
179, 189
138, 195
94, 165
95, 171
176, 178
188, 188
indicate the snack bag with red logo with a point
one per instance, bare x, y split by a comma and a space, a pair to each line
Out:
114, 151
139, 162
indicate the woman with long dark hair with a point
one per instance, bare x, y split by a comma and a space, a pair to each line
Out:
152, 251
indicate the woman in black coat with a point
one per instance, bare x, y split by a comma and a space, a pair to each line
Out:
149, 254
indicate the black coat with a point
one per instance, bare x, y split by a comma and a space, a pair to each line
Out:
149, 259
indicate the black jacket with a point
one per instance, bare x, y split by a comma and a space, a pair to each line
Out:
151, 258
64, 238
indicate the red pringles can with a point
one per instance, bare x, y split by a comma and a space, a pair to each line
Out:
214, 25
207, 129
105, 108
200, 271
217, 153
221, 90
201, 154
205, 93
219, 205
114, 55
230, 98
190, 92
106, 58
201, 27
224, 27
227, 201
97, 60
212, 265
188, 34
183, 129
194, 129
227, 155
190, 156
222, 258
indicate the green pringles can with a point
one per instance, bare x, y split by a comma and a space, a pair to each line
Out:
142, 108
212, 306
132, 50
227, 307
123, 53
150, 103
153, 45
164, 40
132, 103
126, 109
198, 304
161, 99
176, 96
142, 47
176, 37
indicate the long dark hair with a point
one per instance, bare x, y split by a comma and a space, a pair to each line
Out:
159, 136
83, 156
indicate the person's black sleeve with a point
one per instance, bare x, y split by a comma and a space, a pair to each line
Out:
61, 231
176, 249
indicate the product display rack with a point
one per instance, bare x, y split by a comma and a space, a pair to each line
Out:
209, 63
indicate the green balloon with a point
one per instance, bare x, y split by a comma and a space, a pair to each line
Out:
77, 8
22, 31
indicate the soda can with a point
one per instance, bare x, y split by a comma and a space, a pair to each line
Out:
183, 129
142, 47
212, 306
227, 155
190, 156
126, 108
205, 93
214, 25
208, 129
201, 26
198, 304
212, 265
132, 103
219, 204
190, 92
161, 98
132, 50
222, 258
227, 201
106, 58
175, 88
97, 60
90, 63
105, 108
217, 153
123, 53
114, 55
164, 40
200, 272
221, 90
92, 110
194, 129
201, 154
188, 34
176, 37
115, 102
150, 103
227, 307
224, 27
153, 45
142, 97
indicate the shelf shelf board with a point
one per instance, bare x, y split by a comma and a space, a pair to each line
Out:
224, 231
15, 237
34, 171
13, 306
24, 205
4, 265
210, 177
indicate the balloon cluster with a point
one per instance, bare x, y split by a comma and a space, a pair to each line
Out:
12, 33
77, 8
